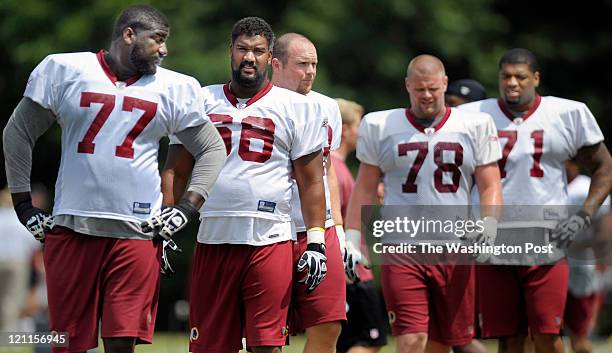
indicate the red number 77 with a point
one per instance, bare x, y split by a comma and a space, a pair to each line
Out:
124, 150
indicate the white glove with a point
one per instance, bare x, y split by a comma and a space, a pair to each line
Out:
36, 220
313, 260
567, 229
171, 220
352, 254
484, 238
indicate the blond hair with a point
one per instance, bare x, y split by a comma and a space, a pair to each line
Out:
350, 111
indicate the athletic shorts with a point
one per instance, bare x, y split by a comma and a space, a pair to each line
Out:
514, 298
433, 299
92, 280
366, 324
327, 302
579, 313
239, 291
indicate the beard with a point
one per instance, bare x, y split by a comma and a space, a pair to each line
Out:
248, 81
144, 64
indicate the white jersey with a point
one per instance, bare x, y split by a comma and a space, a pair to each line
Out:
111, 132
262, 138
537, 145
333, 134
427, 166
584, 278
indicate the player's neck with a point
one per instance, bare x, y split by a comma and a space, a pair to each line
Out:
341, 152
246, 92
120, 69
520, 109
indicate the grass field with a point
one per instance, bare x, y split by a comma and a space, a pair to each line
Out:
176, 343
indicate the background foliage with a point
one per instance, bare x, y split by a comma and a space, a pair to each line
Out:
364, 47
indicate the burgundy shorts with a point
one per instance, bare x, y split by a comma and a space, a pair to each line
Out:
239, 291
513, 298
327, 303
579, 312
95, 279
433, 299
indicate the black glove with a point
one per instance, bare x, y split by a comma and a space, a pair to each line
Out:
171, 220
36, 220
314, 262
167, 247
567, 229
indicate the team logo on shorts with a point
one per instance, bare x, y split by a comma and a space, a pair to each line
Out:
285, 331
194, 334
374, 333
391, 316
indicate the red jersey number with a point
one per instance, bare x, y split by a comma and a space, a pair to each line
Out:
125, 150
252, 128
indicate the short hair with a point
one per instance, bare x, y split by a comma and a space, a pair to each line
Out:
139, 17
349, 110
520, 56
253, 26
281, 47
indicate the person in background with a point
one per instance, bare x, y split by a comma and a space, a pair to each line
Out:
365, 330
464, 91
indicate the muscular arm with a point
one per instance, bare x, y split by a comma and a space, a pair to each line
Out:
309, 177
28, 122
176, 173
596, 159
489, 187
364, 193
202, 158
334, 193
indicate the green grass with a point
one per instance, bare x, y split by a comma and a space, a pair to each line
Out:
178, 343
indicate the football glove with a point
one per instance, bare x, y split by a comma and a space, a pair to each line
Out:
567, 229
36, 220
171, 220
313, 260
167, 247
352, 254
484, 238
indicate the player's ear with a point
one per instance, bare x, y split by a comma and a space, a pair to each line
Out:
536, 78
275, 64
406, 83
128, 35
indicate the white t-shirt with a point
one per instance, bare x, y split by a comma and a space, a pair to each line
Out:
333, 135
427, 166
262, 136
111, 132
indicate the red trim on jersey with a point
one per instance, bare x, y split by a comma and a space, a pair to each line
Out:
109, 73
232, 98
421, 128
526, 115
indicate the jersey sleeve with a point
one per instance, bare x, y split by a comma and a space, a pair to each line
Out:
335, 122
487, 142
307, 134
42, 84
174, 140
189, 107
367, 142
584, 128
